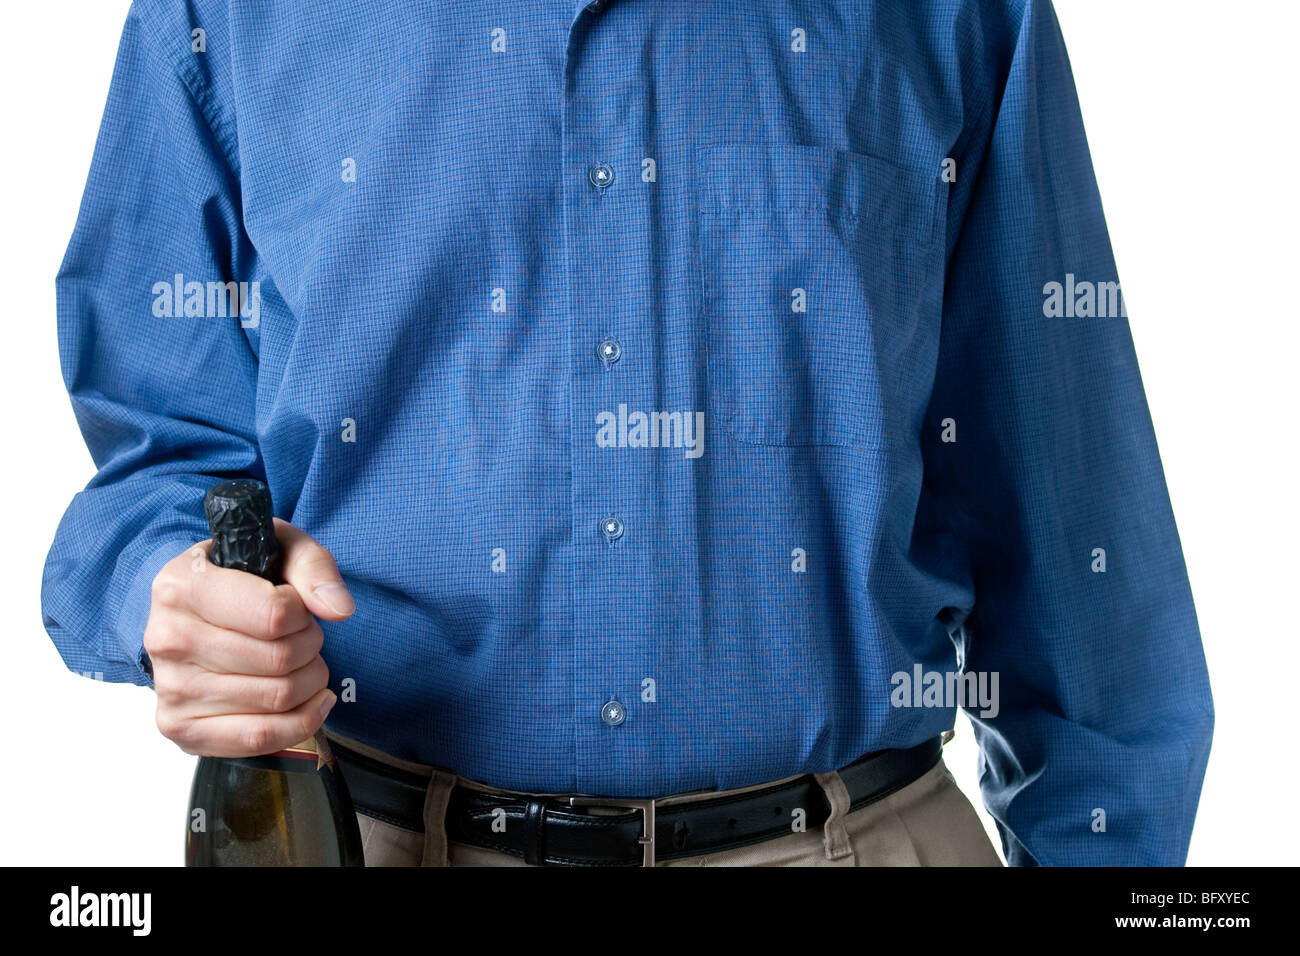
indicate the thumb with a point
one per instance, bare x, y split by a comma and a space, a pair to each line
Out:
311, 571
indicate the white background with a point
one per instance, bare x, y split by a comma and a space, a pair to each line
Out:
1192, 114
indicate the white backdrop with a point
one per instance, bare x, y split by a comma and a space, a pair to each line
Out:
1191, 115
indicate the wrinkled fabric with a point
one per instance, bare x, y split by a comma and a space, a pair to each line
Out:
679, 387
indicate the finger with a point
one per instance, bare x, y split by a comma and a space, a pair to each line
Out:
224, 651
235, 600
248, 735
310, 568
209, 694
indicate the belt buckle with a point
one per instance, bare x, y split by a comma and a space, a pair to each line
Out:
647, 810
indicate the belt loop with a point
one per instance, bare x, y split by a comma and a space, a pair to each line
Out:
835, 834
435, 818
534, 832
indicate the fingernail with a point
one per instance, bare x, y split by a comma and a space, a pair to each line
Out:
328, 704
336, 597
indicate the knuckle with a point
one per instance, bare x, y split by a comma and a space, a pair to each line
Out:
321, 566
315, 637
278, 696
169, 725
168, 693
279, 657
166, 590
278, 612
257, 739
161, 640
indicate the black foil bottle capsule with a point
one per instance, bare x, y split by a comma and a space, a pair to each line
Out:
289, 808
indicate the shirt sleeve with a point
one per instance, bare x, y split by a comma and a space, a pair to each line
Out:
163, 387
1042, 465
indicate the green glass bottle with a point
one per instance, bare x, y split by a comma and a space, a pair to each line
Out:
289, 808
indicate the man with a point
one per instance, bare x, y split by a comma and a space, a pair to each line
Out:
686, 407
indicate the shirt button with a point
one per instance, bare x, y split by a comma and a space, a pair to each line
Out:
612, 528
596, 6
609, 351
601, 174
613, 713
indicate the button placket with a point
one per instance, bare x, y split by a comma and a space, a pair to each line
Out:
604, 483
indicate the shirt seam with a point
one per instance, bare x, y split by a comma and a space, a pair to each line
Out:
185, 72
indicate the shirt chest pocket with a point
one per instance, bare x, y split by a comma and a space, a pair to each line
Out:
816, 267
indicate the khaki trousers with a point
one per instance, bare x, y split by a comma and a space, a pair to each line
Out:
927, 823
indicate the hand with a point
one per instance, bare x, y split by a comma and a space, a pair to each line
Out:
236, 660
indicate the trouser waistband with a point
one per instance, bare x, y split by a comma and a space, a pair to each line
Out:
581, 830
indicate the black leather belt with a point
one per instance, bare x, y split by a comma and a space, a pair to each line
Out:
561, 831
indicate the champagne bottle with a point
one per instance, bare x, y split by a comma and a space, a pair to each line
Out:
289, 808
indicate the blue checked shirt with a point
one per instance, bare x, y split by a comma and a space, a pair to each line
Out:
692, 394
